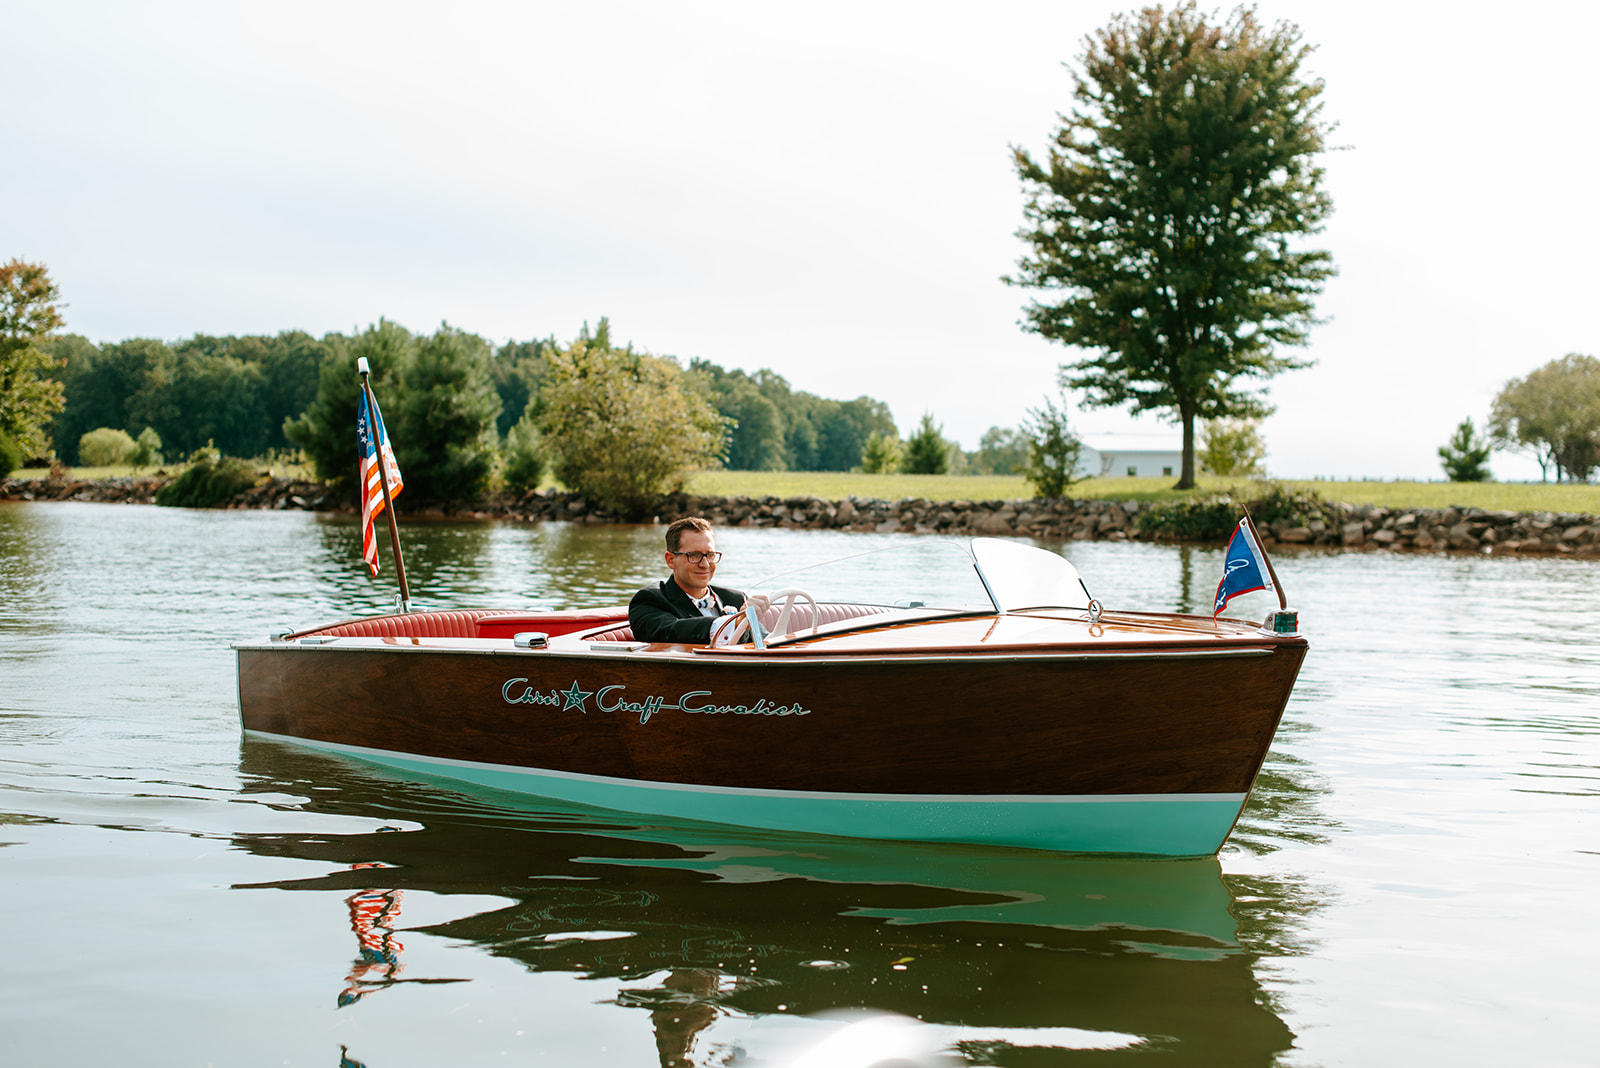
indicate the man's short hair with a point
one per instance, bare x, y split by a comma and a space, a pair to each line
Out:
678, 526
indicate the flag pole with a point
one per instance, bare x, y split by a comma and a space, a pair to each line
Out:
383, 479
1255, 535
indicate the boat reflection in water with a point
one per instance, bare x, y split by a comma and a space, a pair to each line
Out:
730, 940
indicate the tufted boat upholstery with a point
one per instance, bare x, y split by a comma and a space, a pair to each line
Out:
467, 623
799, 619
615, 634
827, 612
460, 623
478, 623
509, 624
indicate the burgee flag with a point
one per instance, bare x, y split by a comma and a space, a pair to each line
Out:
373, 441
1244, 568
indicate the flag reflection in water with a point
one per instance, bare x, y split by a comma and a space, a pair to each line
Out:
373, 918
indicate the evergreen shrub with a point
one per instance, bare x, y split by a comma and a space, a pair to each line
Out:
209, 480
523, 454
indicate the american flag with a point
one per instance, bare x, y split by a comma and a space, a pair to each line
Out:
372, 440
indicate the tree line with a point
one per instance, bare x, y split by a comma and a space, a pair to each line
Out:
464, 415
452, 400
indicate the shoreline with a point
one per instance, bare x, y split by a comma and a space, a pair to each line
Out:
1343, 526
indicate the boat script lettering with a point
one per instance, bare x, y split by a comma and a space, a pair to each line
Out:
528, 696
613, 699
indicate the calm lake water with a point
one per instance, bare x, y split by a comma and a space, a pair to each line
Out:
1415, 881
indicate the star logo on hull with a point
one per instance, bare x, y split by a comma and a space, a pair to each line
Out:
576, 698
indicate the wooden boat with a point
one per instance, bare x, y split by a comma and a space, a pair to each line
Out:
1022, 715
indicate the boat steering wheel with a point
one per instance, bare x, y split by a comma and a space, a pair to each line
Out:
758, 634
789, 597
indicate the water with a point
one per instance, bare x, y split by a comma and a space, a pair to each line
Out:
1414, 880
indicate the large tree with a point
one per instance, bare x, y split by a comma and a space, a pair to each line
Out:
1553, 413
444, 422
326, 430
29, 313
438, 402
1233, 447
626, 427
1166, 222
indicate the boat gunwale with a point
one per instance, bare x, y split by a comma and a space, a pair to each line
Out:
1176, 636
684, 654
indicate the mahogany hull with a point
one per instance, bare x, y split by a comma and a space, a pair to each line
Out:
1149, 748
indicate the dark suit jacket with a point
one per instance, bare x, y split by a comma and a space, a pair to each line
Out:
664, 613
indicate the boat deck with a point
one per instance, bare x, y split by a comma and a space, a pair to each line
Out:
868, 631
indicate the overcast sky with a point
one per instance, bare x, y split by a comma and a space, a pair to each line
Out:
820, 189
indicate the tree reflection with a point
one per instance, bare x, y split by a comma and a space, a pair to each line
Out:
1185, 578
578, 566
480, 564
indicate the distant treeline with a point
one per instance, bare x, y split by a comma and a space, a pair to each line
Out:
237, 394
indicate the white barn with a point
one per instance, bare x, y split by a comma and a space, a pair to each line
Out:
1131, 456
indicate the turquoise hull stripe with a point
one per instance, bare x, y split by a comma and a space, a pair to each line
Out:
1184, 825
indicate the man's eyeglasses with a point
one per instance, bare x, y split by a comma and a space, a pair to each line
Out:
695, 558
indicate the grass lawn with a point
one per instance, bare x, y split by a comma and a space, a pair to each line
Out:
1490, 496
835, 485
94, 474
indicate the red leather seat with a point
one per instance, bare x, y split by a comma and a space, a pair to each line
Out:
459, 623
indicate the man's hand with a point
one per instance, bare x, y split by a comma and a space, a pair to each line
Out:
760, 602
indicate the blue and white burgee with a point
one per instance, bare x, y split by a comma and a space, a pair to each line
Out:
1244, 568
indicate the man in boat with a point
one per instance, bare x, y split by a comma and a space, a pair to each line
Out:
684, 606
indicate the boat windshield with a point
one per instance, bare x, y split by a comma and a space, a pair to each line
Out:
1024, 576
926, 572
983, 575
